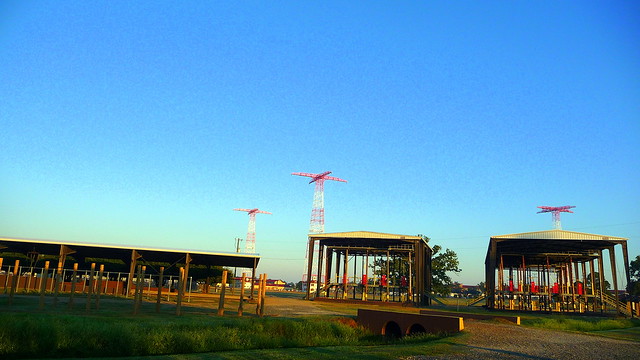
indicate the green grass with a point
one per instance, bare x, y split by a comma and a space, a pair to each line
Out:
58, 335
584, 324
57, 332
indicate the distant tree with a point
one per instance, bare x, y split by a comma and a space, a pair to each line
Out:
634, 269
596, 276
441, 264
482, 287
633, 288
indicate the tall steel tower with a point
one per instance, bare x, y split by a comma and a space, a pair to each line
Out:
250, 241
316, 224
555, 211
317, 211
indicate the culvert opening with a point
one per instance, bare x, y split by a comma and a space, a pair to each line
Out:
392, 329
416, 329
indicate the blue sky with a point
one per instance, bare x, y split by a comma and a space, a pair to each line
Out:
147, 123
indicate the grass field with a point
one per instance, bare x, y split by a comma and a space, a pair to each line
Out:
58, 332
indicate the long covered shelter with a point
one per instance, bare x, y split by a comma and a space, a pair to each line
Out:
553, 270
365, 265
58, 260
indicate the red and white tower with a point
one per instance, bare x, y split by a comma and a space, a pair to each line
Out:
316, 224
250, 241
555, 211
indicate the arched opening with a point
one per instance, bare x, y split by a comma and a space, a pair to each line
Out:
416, 329
392, 329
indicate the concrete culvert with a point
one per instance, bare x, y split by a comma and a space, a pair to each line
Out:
392, 329
416, 329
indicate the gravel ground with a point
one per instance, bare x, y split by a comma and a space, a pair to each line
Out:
485, 340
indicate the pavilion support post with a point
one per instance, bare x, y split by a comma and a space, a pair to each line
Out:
499, 295
132, 268
410, 275
386, 295
584, 285
181, 279
338, 259
309, 267
253, 277
160, 283
328, 265
320, 280
355, 268
187, 261
490, 274
549, 286
366, 280
345, 274
601, 279
625, 257
572, 290
612, 258
592, 288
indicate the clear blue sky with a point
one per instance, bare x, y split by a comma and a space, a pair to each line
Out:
146, 123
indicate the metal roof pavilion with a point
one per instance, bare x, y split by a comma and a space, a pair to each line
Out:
124, 253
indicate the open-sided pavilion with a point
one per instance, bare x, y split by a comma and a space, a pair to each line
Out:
547, 271
400, 267
66, 252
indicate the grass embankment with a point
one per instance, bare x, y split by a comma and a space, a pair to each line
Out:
58, 335
55, 332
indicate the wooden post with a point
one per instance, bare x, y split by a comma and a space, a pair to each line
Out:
309, 267
345, 274
90, 288
73, 285
241, 304
43, 283
260, 296
601, 278
99, 286
179, 289
263, 290
388, 278
160, 283
14, 281
614, 276
223, 290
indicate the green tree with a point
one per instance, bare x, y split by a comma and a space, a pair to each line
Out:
441, 264
633, 288
596, 276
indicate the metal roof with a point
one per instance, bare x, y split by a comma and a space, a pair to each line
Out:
552, 245
364, 235
558, 235
108, 251
368, 240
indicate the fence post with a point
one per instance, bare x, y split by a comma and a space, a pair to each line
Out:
14, 281
73, 285
263, 290
90, 290
43, 283
223, 289
99, 286
241, 304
